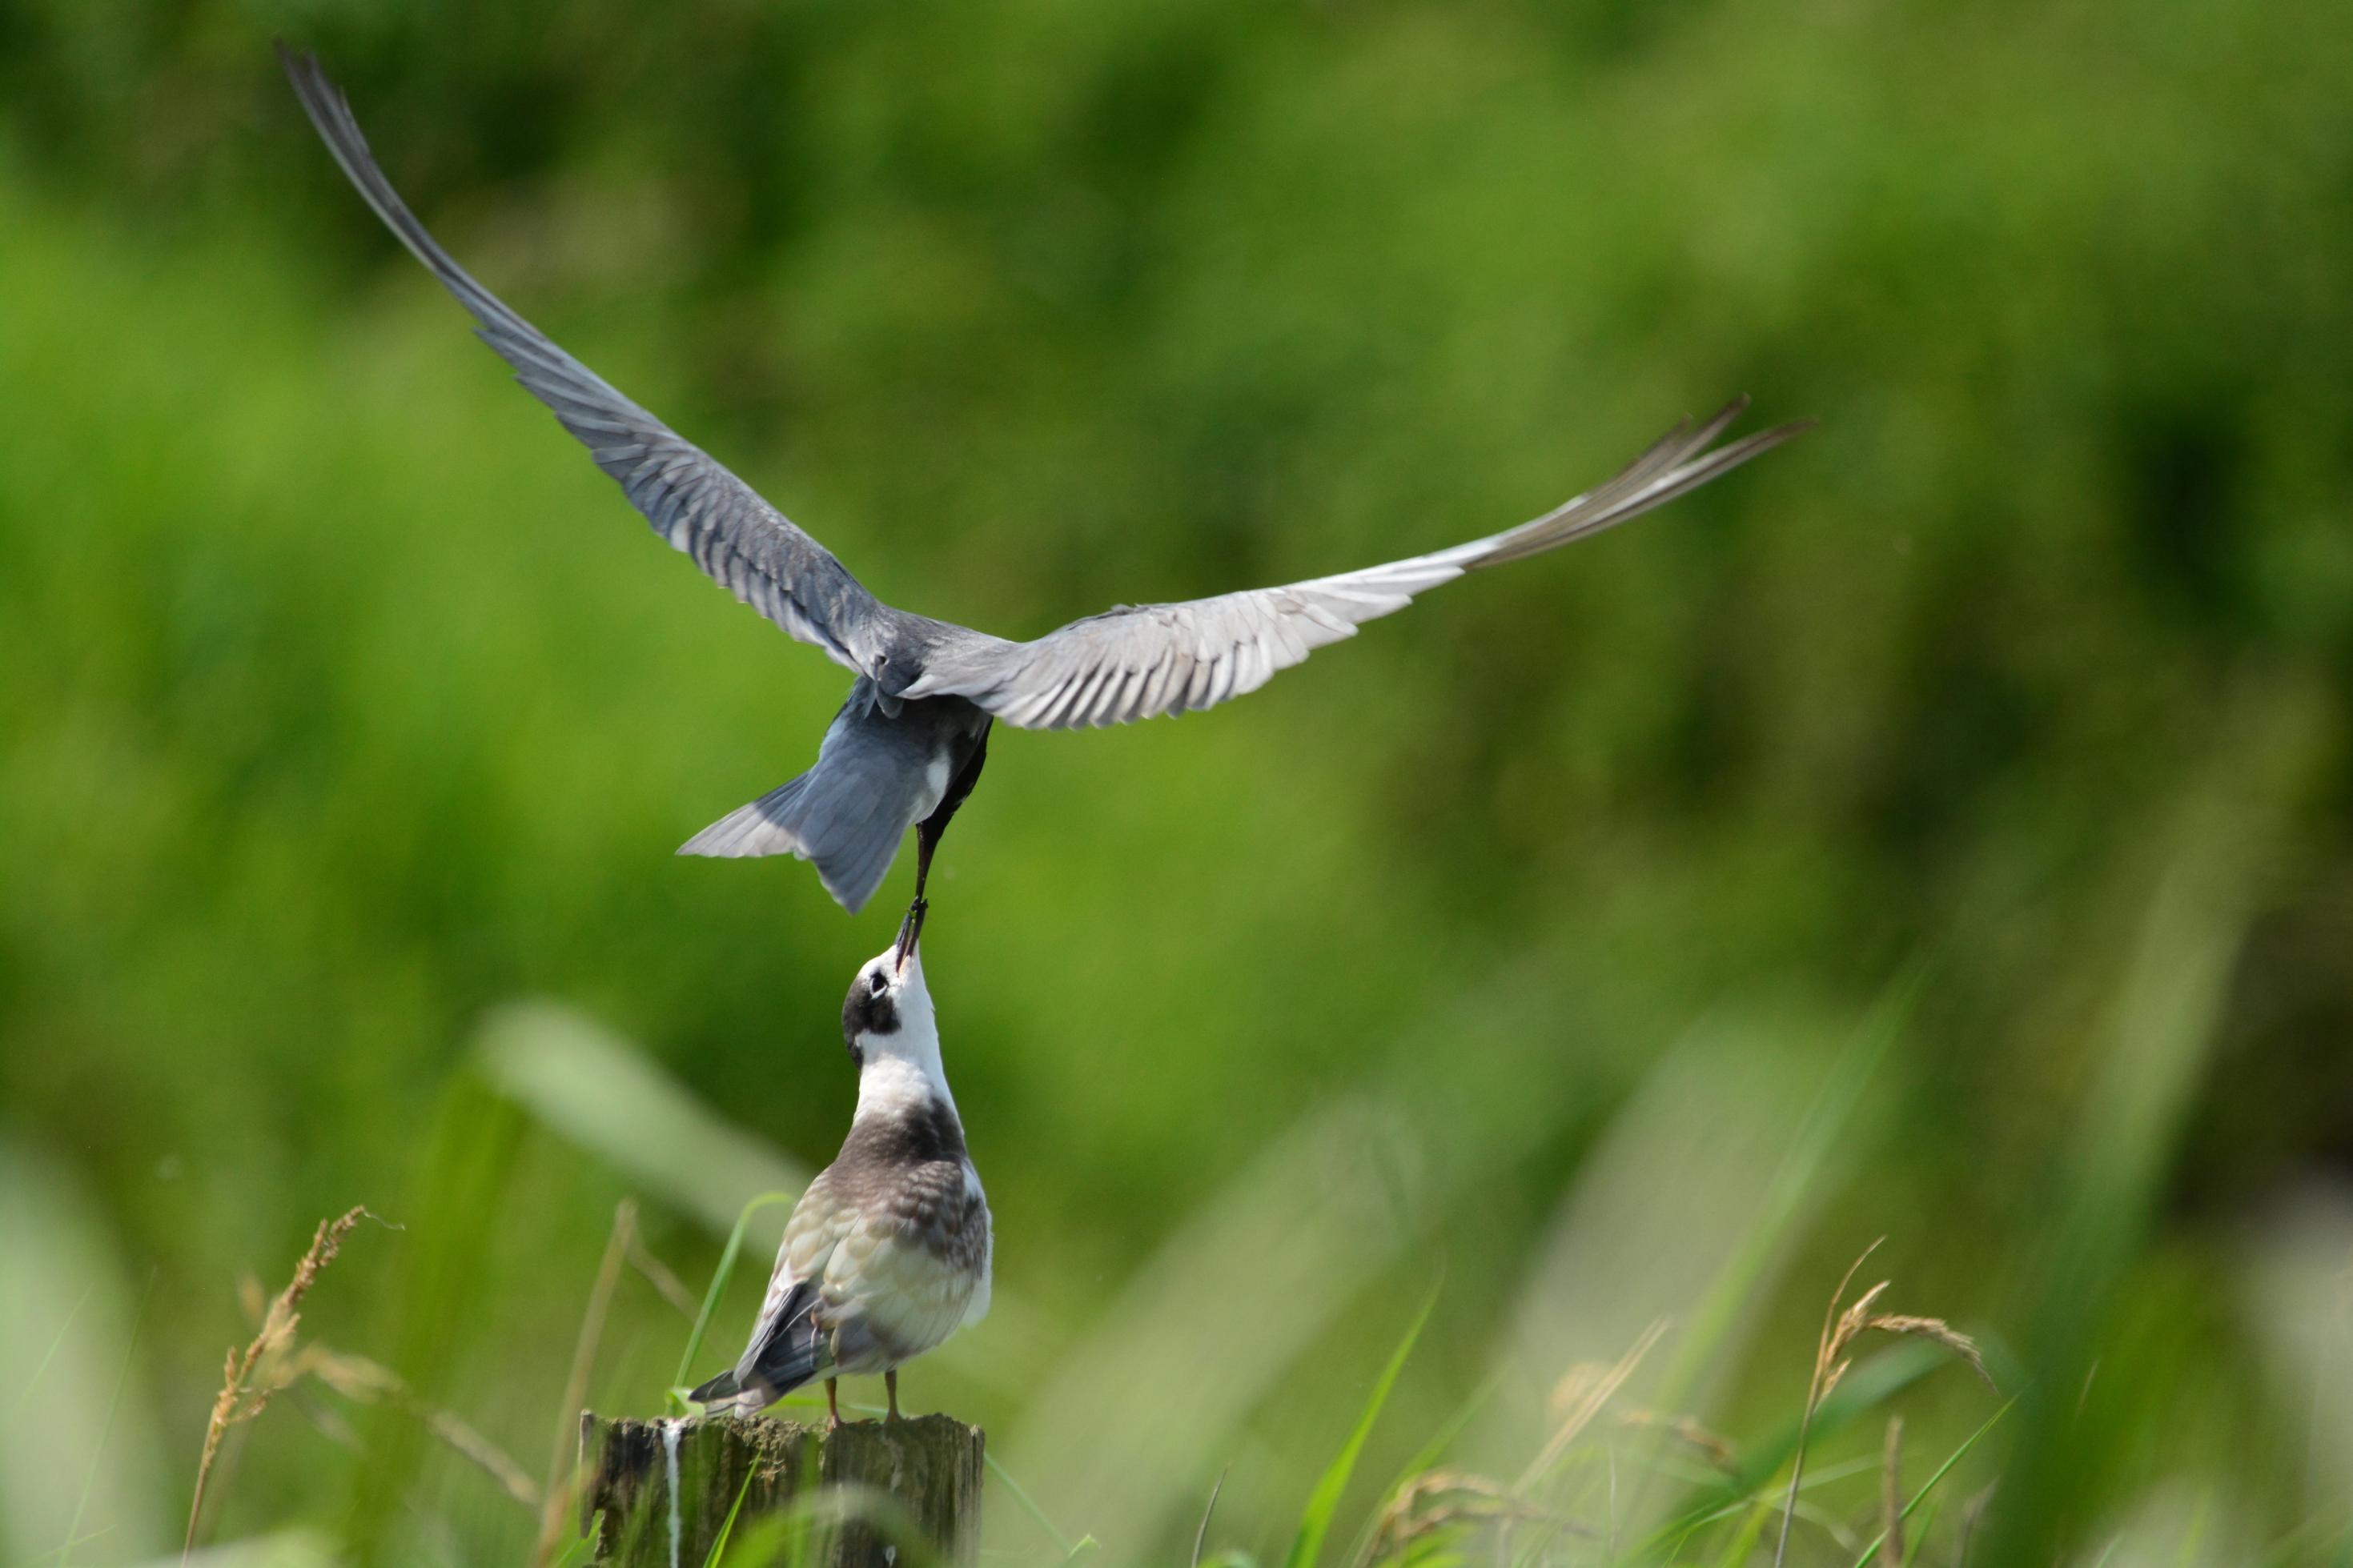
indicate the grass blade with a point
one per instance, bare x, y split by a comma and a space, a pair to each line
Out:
1818, 1141
1870, 1547
2165, 1022
1324, 1501
1426, 1459
727, 1526
456, 1216
113, 1404
1062, 1544
719, 1279
1209, 1511
1743, 1545
25, 1395
557, 1499
1873, 1382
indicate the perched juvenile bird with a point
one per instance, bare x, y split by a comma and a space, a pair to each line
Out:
909, 744
887, 1253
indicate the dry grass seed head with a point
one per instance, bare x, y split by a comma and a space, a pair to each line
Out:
1470, 1500
1942, 1332
366, 1381
244, 1394
1832, 1362
1714, 1446
1844, 1327
1891, 1496
1575, 1386
1590, 1399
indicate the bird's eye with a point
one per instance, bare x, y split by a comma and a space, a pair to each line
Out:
876, 982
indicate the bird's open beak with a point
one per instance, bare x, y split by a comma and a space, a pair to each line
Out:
911, 931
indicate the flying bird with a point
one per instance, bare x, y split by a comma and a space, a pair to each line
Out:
887, 1253
909, 743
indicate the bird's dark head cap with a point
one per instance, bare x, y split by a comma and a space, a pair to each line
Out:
888, 988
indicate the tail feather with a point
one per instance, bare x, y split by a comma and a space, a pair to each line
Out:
762, 827
845, 820
721, 1391
794, 1356
882, 767
784, 1354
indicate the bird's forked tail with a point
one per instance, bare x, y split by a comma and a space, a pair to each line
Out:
845, 819
786, 1352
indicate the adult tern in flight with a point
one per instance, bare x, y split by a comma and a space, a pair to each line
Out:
909, 744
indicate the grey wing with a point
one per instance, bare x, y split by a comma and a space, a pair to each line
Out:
739, 540
1140, 661
976, 1308
820, 1220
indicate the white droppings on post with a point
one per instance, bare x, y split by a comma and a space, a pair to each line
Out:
636, 1478
670, 1463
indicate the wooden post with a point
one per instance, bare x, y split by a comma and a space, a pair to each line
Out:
878, 1495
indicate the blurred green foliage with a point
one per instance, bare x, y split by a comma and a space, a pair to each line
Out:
343, 702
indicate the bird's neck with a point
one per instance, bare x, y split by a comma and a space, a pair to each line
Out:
902, 1077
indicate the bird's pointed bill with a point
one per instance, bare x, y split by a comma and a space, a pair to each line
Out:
911, 931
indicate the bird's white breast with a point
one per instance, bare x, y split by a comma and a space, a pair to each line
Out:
935, 783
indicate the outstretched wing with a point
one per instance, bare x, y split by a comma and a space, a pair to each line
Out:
1142, 660
740, 541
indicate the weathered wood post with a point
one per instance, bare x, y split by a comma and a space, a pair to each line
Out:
878, 1495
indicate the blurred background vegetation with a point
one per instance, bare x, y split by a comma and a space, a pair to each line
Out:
1942, 830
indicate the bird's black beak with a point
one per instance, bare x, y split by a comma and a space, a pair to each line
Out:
911, 931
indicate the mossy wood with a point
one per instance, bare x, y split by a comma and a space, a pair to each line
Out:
872, 1494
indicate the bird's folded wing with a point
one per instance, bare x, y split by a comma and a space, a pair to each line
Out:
1140, 661
818, 1223
739, 540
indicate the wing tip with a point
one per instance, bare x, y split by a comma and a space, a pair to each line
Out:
1679, 462
317, 92
721, 1389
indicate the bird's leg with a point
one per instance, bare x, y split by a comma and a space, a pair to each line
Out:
833, 1408
890, 1386
927, 838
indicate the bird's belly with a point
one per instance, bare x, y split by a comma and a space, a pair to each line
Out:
936, 774
900, 1330
903, 1298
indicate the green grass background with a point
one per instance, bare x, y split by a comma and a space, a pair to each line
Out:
1942, 830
